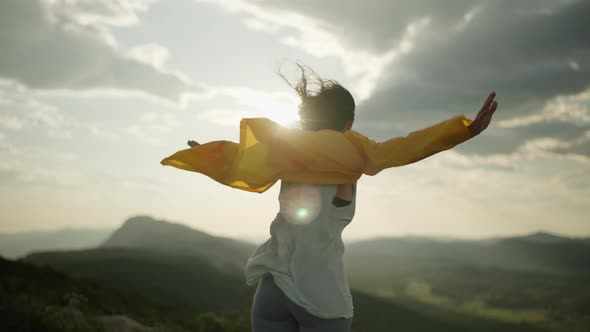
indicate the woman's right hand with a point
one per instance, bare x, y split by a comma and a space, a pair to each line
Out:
192, 143
484, 116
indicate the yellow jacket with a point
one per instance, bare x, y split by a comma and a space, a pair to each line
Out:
268, 152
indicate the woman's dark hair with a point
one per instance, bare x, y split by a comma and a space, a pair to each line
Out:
328, 106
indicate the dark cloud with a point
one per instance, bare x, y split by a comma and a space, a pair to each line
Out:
378, 25
373, 25
524, 58
46, 48
507, 140
582, 149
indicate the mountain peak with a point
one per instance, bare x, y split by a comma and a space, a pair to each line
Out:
146, 231
544, 237
142, 219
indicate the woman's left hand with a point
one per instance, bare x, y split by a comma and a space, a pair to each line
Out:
484, 116
192, 143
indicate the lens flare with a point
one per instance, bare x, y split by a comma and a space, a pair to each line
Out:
301, 204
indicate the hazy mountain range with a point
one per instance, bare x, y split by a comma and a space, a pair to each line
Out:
146, 231
524, 283
536, 252
19, 244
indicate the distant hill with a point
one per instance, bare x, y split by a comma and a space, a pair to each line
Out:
548, 238
17, 245
167, 262
144, 232
537, 252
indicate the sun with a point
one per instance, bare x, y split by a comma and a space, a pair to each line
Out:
286, 118
280, 107
280, 110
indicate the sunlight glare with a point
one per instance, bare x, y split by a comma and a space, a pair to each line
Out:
280, 107
301, 204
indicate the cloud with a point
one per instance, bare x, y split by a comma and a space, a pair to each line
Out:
14, 168
151, 127
152, 54
10, 121
98, 12
523, 55
37, 166
67, 46
30, 112
20, 172
578, 179
467, 18
318, 38
576, 150
11, 152
242, 102
564, 108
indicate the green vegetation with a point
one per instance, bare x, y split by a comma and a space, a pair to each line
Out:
42, 299
170, 279
557, 301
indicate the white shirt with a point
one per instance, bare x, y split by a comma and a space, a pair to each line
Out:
305, 251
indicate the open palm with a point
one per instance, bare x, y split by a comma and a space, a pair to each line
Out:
484, 116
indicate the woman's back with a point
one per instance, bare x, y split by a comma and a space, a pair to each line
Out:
304, 252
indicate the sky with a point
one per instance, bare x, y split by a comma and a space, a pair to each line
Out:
95, 93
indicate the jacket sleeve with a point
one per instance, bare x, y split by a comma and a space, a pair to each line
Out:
415, 146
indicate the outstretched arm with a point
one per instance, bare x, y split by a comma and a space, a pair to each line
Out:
425, 142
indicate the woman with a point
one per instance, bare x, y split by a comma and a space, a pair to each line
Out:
299, 272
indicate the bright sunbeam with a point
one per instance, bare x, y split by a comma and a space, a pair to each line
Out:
286, 118
280, 110
280, 107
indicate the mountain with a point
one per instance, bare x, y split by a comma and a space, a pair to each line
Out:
547, 238
535, 252
166, 262
144, 232
19, 244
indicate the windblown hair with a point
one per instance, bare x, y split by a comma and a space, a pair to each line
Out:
327, 105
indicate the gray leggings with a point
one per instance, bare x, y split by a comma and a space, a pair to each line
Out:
273, 311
